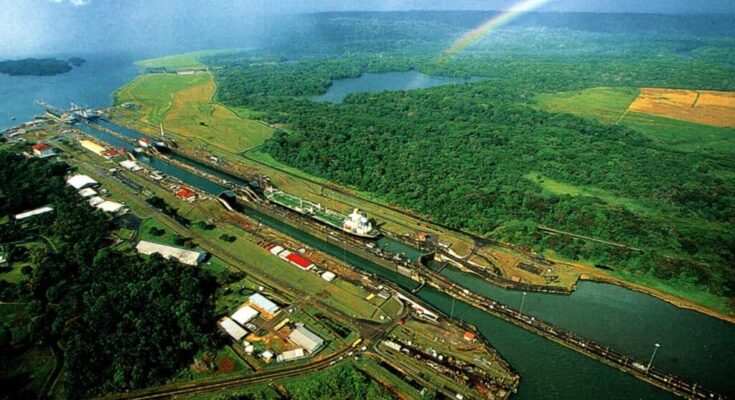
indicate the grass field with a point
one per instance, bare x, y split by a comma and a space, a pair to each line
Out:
183, 103
682, 135
184, 60
561, 188
700, 106
609, 105
603, 103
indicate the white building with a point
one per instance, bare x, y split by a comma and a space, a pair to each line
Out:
130, 165
305, 338
261, 303
80, 182
244, 315
31, 213
87, 193
111, 207
328, 276
95, 201
290, 355
187, 257
233, 329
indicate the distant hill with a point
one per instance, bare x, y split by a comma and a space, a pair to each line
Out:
39, 66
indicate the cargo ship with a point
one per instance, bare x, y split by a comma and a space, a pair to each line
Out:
356, 224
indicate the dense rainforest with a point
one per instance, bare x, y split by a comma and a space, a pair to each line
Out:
123, 321
473, 156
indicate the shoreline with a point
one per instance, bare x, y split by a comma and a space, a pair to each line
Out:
590, 275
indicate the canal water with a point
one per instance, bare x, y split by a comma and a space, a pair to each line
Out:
380, 82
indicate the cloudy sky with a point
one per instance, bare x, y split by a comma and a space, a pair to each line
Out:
31, 27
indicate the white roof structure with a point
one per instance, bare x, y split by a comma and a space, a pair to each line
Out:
289, 355
37, 211
267, 355
305, 338
263, 303
244, 315
131, 165
234, 330
187, 257
79, 182
87, 192
328, 276
110, 206
95, 201
276, 249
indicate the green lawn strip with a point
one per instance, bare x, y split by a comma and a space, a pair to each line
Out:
261, 259
386, 378
604, 104
156, 92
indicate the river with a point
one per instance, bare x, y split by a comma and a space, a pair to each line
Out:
693, 345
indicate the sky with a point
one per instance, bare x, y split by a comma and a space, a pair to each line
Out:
31, 27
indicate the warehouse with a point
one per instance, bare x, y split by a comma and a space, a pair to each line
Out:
187, 257
93, 147
262, 304
31, 213
290, 355
111, 207
244, 315
234, 330
80, 182
305, 338
87, 193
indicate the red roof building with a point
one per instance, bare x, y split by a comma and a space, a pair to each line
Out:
469, 336
300, 262
185, 194
41, 150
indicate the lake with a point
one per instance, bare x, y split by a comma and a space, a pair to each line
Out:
90, 84
385, 81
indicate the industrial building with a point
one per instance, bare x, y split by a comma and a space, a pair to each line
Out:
305, 338
87, 193
235, 331
267, 308
31, 213
93, 147
188, 257
328, 276
244, 315
80, 182
130, 165
111, 207
42, 150
291, 355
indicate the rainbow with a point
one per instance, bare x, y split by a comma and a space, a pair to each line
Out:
476, 34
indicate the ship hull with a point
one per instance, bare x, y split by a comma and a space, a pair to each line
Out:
374, 234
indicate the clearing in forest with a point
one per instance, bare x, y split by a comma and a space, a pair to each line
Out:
701, 106
185, 106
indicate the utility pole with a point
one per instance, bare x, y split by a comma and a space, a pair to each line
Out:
655, 349
523, 300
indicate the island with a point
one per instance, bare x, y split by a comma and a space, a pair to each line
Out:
39, 66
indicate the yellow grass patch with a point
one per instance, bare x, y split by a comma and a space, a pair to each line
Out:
700, 106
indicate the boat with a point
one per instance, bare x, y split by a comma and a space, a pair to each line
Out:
13, 118
356, 224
